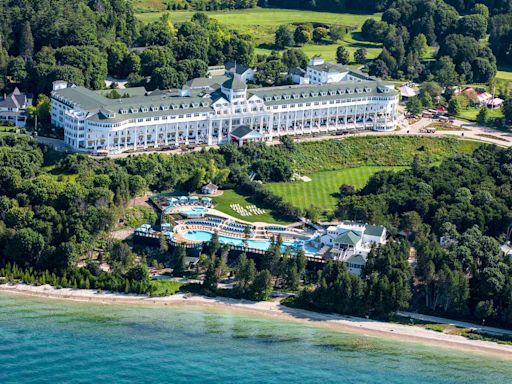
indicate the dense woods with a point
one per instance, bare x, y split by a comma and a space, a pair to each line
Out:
456, 215
329, 5
81, 42
409, 27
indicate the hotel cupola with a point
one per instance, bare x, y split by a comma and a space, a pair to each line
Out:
234, 89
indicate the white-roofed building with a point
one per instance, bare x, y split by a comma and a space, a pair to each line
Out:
407, 92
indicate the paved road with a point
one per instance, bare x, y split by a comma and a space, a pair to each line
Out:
462, 324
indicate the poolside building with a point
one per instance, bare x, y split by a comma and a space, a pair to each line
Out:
351, 243
210, 189
210, 111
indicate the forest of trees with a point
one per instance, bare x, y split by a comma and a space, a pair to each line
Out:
209, 5
456, 215
409, 27
81, 42
48, 222
328, 5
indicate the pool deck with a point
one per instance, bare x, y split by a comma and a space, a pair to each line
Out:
262, 232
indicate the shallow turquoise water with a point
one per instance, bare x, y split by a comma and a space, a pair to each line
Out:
45, 341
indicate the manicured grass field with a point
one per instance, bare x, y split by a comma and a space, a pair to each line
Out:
223, 202
261, 23
321, 191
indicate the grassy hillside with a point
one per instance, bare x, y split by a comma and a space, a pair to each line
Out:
262, 23
328, 155
322, 189
353, 161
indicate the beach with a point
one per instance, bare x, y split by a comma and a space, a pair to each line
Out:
273, 309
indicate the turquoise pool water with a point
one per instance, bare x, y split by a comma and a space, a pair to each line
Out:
262, 245
206, 236
49, 341
193, 212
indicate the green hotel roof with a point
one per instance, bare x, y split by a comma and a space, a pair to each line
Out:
348, 238
169, 103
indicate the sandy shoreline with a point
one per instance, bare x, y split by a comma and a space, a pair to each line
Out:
273, 309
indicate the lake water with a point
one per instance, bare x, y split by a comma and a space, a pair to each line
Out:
47, 341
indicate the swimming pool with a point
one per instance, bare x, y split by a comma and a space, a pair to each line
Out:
193, 212
261, 245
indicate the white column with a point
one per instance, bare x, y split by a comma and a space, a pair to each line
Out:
177, 134
210, 133
186, 132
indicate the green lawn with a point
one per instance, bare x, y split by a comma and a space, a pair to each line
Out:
164, 287
223, 202
261, 23
321, 191
504, 74
471, 113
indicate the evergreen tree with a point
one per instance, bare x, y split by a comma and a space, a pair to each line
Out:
26, 41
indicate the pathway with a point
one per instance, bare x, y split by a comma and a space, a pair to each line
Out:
469, 131
461, 324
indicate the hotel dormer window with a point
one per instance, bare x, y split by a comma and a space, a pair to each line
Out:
323, 93
134, 110
144, 109
154, 108
175, 106
314, 94
268, 98
165, 107
195, 105
287, 97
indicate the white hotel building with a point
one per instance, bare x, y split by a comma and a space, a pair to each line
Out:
209, 111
